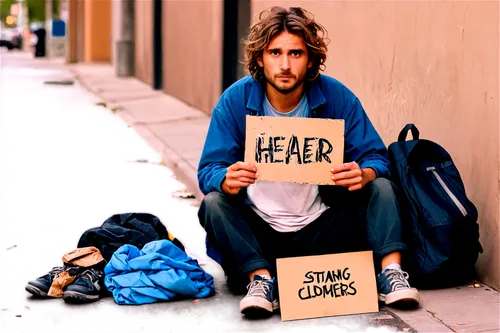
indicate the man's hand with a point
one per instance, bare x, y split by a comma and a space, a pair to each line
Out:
350, 175
239, 175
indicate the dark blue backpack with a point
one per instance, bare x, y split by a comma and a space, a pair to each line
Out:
440, 222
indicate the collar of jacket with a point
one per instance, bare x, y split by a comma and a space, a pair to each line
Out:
315, 96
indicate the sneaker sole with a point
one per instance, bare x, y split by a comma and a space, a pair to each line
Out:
36, 292
405, 297
76, 297
255, 306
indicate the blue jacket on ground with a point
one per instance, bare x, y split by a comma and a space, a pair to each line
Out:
327, 98
159, 272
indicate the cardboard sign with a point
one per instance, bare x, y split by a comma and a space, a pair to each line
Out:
299, 150
327, 285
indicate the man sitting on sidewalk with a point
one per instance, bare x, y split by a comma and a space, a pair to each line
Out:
250, 222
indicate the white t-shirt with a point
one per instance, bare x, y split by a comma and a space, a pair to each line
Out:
286, 206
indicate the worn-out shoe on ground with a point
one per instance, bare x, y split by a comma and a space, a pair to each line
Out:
88, 287
394, 289
261, 298
41, 286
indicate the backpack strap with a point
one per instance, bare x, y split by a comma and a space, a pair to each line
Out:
404, 132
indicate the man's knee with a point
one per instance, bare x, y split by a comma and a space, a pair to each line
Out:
213, 200
381, 187
213, 206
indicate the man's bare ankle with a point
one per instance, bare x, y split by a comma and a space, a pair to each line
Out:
262, 272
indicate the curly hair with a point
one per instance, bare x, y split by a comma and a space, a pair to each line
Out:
294, 20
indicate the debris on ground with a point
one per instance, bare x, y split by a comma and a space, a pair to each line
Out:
196, 301
146, 161
115, 109
101, 104
383, 317
10, 247
182, 195
163, 160
60, 82
12, 244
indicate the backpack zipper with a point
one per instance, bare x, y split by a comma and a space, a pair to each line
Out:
448, 191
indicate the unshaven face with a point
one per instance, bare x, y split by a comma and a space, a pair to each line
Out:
285, 62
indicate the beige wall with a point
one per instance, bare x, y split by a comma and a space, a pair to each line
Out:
97, 30
192, 51
433, 63
144, 40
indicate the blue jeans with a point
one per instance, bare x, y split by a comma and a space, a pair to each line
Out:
368, 219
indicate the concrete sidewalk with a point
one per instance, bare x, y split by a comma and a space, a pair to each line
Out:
167, 124
178, 131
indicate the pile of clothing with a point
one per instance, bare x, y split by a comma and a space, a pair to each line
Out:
131, 257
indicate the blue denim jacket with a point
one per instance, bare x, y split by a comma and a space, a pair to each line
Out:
327, 98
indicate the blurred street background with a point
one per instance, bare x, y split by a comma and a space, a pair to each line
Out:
104, 108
